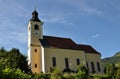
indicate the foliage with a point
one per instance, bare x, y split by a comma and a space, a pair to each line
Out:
82, 72
2, 49
110, 69
56, 74
10, 73
40, 76
13, 59
68, 76
117, 54
13, 65
111, 60
113, 70
99, 76
82, 68
117, 72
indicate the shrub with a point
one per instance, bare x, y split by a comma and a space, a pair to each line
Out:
68, 76
117, 72
56, 74
99, 76
110, 69
40, 76
82, 72
9, 73
81, 75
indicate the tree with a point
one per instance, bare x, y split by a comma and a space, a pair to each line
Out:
12, 73
82, 72
56, 74
13, 59
110, 70
117, 72
2, 49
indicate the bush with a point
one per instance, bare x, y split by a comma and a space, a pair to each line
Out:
56, 74
117, 72
99, 76
82, 72
40, 76
110, 69
9, 73
68, 76
81, 75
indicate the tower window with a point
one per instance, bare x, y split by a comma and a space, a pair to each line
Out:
35, 50
93, 68
54, 61
78, 61
36, 27
66, 63
35, 65
98, 66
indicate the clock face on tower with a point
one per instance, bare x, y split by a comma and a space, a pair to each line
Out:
36, 33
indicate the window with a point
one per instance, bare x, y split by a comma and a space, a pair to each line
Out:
35, 50
35, 65
98, 66
36, 27
66, 63
78, 61
54, 61
93, 68
87, 64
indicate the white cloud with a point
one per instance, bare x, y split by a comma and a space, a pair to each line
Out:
83, 6
96, 35
90, 11
56, 18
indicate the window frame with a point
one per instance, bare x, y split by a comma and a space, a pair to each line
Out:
36, 27
54, 61
35, 50
78, 61
98, 66
35, 65
92, 67
66, 63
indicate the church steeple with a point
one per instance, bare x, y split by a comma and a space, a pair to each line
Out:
35, 33
35, 16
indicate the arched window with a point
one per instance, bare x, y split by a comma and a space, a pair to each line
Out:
66, 63
36, 27
98, 66
78, 61
93, 68
54, 61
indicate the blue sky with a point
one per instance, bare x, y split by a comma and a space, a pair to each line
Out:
91, 22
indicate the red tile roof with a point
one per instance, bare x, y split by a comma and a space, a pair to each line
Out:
87, 48
65, 43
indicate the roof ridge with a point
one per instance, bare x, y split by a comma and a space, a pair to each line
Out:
84, 44
57, 37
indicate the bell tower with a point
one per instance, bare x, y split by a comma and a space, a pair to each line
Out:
35, 33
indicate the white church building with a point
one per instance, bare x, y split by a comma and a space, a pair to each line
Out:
45, 52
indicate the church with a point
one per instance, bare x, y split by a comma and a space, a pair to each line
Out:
45, 52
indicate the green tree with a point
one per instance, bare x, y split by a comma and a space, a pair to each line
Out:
56, 74
117, 72
13, 59
12, 73
40, 76
110, 70
2, 49
82, 72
